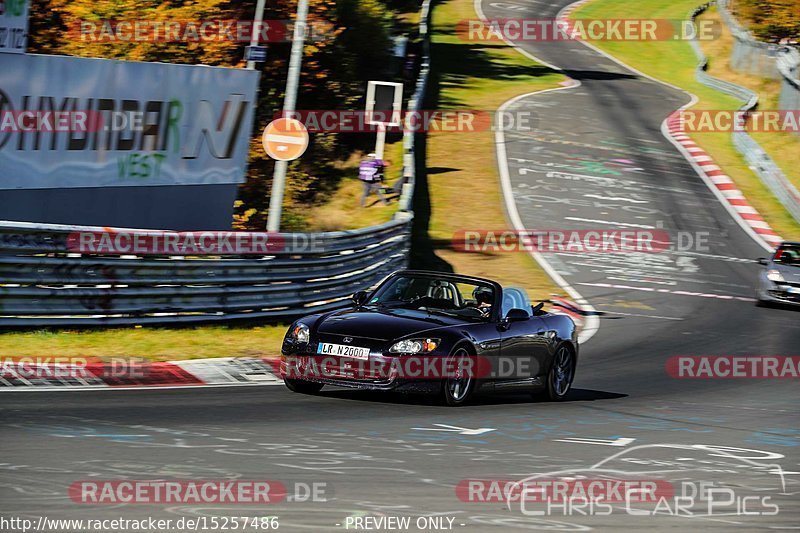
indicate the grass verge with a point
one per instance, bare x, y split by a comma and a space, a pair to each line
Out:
674, 62
341, 210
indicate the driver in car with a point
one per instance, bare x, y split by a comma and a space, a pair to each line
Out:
788, 257
483, 297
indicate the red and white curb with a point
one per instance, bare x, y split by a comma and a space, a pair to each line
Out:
563, 15
228, 371
564, 306
723, 183
720, 183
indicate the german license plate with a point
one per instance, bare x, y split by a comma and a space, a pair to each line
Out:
356, 352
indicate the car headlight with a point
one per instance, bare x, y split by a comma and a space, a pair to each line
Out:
774, 275
412, 346
300, 333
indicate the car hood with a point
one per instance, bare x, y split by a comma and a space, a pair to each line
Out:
789, 273
385, 324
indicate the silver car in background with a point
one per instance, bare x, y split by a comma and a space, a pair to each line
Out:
779, 282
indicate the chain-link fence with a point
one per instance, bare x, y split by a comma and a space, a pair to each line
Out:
749, 55
761, 163
789, 67
767, 60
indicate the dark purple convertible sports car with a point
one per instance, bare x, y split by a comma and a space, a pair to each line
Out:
485, 336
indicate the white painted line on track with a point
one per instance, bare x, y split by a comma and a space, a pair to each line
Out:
667, 291
611, 314
609, 223
717, 257
615, 198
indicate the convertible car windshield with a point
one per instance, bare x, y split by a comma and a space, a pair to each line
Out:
437, 295
788, 255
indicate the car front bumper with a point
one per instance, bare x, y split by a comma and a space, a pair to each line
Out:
769, 291
343, 372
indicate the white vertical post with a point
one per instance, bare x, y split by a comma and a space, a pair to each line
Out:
380, 141
257, 25
289, 102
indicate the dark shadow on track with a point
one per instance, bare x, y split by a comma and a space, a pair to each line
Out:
480, 398
599, 75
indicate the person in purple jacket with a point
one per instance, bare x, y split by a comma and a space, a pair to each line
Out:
370, 172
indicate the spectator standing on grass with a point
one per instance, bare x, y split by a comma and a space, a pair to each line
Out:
370, 172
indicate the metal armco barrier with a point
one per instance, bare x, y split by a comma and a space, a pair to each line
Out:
45, 284
761, 163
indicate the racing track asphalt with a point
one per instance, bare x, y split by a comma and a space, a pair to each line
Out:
365, 445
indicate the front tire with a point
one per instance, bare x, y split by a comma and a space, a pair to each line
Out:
559, 379
457, 390
302, 387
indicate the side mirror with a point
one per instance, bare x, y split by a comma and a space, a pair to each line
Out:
517, 315
360, 298
763, 261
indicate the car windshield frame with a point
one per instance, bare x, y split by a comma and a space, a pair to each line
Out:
793, 248
375, 298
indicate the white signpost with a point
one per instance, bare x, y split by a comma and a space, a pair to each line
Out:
383, 109
13, 26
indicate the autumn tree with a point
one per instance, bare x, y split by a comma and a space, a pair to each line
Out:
770, 20
350, 44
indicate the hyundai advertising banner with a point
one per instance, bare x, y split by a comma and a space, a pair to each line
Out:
70, 122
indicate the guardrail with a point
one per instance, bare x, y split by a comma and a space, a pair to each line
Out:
763, 165
45, 283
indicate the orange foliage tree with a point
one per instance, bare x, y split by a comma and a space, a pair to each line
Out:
350, 44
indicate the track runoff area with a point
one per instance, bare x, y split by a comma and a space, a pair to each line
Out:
682, 414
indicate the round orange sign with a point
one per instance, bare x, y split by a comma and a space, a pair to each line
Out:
285, 139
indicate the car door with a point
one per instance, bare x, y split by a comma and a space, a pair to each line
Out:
523, 348
524, 343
